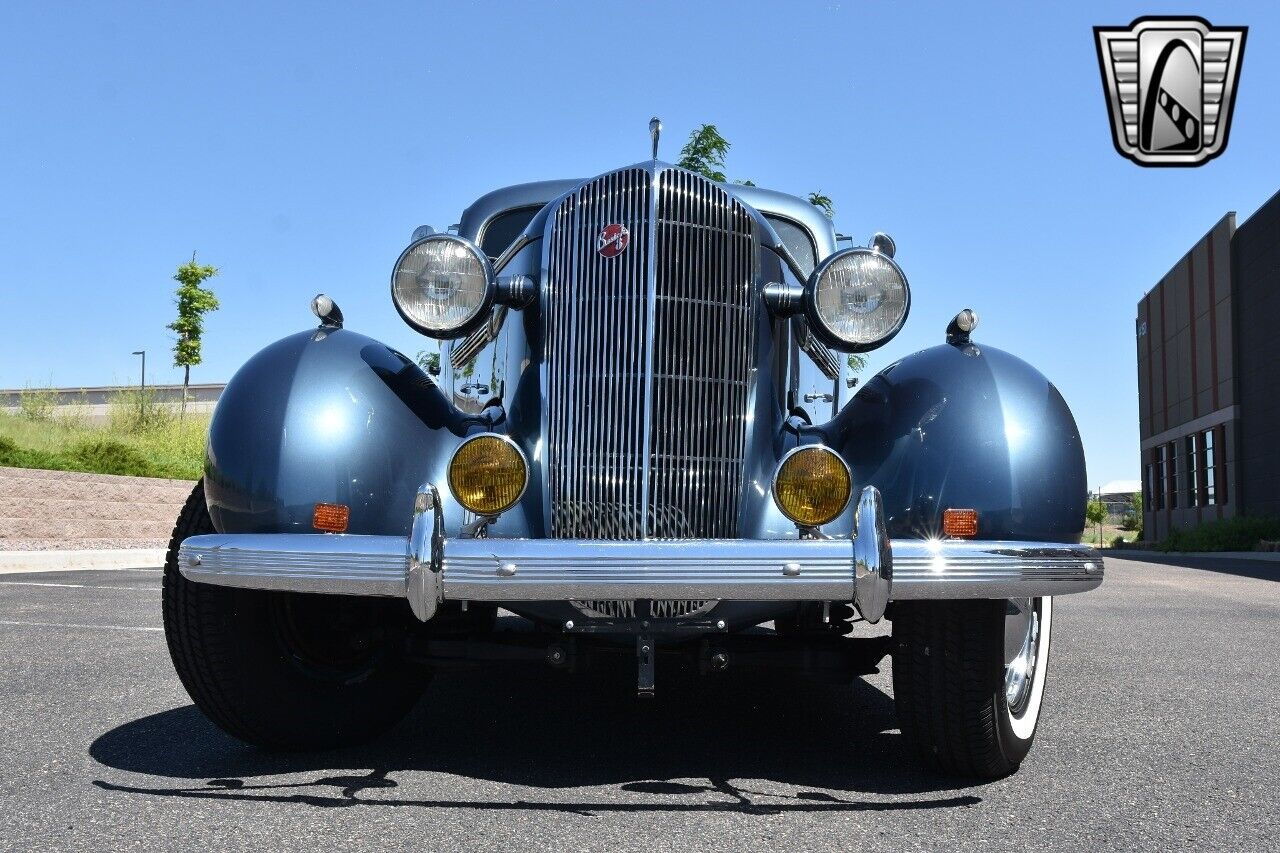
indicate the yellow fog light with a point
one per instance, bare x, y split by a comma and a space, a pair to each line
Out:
812, 485
488, 474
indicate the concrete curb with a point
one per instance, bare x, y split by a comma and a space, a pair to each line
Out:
1260, 556
18, 562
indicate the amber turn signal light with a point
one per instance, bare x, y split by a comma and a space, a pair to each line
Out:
331, 518
960, 523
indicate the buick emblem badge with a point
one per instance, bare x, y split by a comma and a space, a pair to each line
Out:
613, 240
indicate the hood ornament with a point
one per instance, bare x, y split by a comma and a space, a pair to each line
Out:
655, 130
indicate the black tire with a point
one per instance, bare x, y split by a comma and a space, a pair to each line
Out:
949, 685
286, 670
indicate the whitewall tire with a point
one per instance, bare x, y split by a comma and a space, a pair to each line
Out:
969, 680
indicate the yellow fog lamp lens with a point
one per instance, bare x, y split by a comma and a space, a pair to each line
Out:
488, 474
812, 485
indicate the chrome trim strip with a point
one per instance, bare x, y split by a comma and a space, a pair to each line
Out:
560, 570
509, 253
972, 569
819, 353
605, 573
479, 339
651, 294
336, 564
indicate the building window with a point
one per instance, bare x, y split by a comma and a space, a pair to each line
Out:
1171, 474
1148, 486
1193, 469
1157, 478
1220, 456
1207, 491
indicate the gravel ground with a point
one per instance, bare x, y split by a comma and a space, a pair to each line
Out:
1160, 731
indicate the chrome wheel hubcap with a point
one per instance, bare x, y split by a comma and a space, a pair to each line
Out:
1021, 647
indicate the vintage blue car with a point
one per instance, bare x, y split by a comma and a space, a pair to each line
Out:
640, 439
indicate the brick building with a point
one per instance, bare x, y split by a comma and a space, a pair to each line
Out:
1209, 380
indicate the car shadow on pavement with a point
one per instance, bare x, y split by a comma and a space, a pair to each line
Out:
1265, 570
804, 746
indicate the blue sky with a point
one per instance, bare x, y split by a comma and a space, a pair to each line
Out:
296, 146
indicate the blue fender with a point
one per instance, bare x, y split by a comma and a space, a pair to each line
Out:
329, 416
965, 426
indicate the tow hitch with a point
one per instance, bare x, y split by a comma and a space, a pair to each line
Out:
645, 655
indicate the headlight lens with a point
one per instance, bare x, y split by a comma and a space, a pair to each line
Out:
858, 299
441, 285
488, 474
812, 486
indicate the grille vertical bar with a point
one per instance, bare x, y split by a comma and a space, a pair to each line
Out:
688, 275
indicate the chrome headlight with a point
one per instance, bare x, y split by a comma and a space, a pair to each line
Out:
857, 300
443, 286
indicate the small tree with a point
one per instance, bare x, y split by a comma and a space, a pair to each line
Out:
1133, 517
823, 203
194, 301
1095, 512
704, 153
857, 364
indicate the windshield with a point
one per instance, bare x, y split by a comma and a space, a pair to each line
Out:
797, 241
502, 229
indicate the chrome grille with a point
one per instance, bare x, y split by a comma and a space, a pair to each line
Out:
598, 312
702, 349
648, 357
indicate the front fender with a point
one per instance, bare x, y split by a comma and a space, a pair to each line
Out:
966, 426
328, 416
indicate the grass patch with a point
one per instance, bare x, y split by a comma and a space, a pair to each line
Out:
1110, 533
1241, 533
141, 438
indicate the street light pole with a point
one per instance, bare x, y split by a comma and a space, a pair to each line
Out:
143, 353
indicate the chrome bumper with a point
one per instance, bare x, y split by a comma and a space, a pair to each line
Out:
427, 569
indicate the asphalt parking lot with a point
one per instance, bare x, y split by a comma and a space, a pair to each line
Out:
1161, 730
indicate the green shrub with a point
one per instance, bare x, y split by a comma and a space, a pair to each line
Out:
1229, 534
37, 404
1118, 542
74, 416
105, 456
12, 455
174, 450
137, 410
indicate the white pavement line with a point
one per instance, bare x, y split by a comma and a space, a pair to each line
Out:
73, 625
21, 562
79, 586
